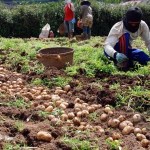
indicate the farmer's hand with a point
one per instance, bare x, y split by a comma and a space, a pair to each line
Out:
120, 57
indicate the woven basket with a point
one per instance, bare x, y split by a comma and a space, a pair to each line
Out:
58, 57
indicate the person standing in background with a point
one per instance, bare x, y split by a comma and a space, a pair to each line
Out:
69, 18
86, 18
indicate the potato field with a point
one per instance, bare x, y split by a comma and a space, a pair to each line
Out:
89, 105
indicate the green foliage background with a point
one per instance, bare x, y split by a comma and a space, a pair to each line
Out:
27, 20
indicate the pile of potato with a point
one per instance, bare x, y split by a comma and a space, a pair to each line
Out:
52, 102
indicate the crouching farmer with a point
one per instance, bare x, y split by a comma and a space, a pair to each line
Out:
118, 43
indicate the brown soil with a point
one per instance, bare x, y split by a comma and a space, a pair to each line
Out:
88, 90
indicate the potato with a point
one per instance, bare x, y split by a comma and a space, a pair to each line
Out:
83, 123
58, 102
46, 97
56, 122
137, 130
136, 118
76, 121
101, 130
67, 88
64, 117
77, 100
85, 113
50, 117
121, 118
78, 105
49, 109
107, 109
71, 115
103, 117
125, 123
110, 113
116, 136
46, 104
62, 106
79, 114
60, 91
45, 136
55, 97
145, 143
114, 123
82, 127
40, 107
140, 136
144, 130
110, 138
65, 103
77, 109
58, 88
127, 130
39, 97
88, 126
90, 109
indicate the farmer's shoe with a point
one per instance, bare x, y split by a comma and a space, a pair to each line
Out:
89, 36
85, 36
70, 35
89, 33
66, 34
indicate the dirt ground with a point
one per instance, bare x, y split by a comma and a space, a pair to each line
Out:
86, 89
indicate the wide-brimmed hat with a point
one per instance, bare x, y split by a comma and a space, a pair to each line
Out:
85, 2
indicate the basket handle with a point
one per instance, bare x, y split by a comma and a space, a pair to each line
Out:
38, 56
58, 57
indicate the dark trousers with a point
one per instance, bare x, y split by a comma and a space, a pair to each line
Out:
123, 46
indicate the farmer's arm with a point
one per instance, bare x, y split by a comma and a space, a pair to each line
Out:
145, 34
73, 9
112, 39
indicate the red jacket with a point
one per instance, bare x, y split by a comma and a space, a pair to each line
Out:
69, 14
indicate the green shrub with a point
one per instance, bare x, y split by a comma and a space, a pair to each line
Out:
5, 22
28, 20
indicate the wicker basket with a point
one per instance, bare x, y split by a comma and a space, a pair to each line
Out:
58, 57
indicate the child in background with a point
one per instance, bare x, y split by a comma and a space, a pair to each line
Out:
51, 34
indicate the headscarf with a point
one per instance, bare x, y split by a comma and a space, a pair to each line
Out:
67, 1
133, 14
85, 2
